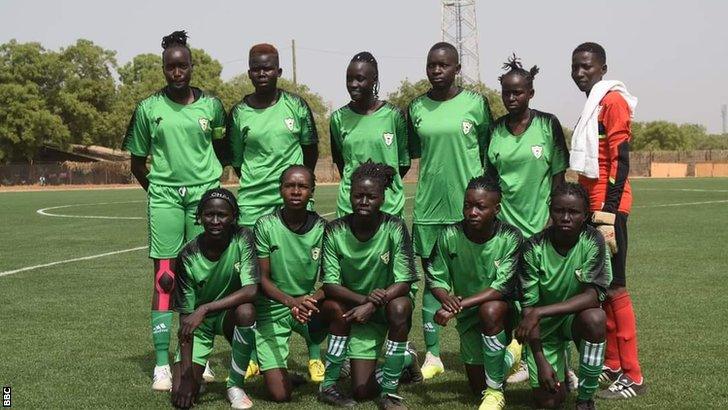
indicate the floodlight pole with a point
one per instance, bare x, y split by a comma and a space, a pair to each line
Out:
460, 28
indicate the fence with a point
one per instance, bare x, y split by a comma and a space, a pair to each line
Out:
643, 164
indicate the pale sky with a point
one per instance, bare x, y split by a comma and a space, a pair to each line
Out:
673, 55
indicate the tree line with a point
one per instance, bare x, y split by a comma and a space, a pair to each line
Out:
81, 95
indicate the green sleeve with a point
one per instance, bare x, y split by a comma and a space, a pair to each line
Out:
235, 137
484, 129
218, 120
138, 138
403, 257
330, 264
509, 267
597, 269
414, 143
529, 275
185, 298
437, 273
248, 263
402, 131
262, 237
336, 142
560, 160
308, 125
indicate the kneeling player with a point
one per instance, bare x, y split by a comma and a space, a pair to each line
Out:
369, 271
216, 285
289, 252
564, 280
472, 271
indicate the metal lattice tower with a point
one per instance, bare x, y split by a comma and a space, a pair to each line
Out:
460, 28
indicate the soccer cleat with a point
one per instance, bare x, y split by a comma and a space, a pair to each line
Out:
345, 369
208, 375
432, 366
493, 399
391, 401
331, 395
623, 388
413, 372
521, 375
162, 379
252, 370
514, 349
609, 376
238, 399
572, 380
585, 405
316, 370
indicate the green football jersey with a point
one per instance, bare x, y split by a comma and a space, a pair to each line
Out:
200, 280
466, 268
449, 137
263, 143
525, 165
295, 256
178, 137
386, 258
549, 277
380, 136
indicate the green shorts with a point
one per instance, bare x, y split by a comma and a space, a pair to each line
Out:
366, 340
554, 344
273, 335
204, 338
424, 237
171, 215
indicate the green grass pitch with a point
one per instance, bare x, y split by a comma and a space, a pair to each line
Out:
76, 334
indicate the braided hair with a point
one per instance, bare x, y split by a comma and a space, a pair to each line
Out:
382, 174
485, 182
219, 193
298, 167
514, 66
573, 189
367, 57
175, 39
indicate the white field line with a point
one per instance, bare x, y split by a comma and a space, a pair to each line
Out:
682, 189
682, 204
83, 258
101, 255
44, 211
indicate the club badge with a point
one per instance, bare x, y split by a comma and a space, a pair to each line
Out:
388, 138
204, 124
315, 253
385, 257
537, 151
289, 123
467, 126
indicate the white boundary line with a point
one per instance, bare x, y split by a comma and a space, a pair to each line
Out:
682, 204
682, 189
83, 258
44, 211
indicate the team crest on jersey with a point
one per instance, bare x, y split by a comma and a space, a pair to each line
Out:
467, 126
315, 253
236, 267
182, 191
289, 123
388, 138
497, 264
204, 124
537, 151
385, 257
579, 274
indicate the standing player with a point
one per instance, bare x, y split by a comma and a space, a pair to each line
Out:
473, 272
527, 152
269, 130
289, 250
600, 153
564, 280
449, 129
369, 276
217, 283
182, 129
368, 129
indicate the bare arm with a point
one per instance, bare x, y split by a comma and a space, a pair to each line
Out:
310, 156
487, 295
342, 294
140, 171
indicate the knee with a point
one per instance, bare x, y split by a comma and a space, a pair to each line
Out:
245, 315
593, 324
332, 311
492, 315
399, 311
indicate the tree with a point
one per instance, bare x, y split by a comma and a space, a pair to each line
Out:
407, 91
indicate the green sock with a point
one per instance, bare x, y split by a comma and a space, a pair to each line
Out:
161, 330
430, 329
494, 355
242, 348
314, 349
335, 356
394, 359
591, 359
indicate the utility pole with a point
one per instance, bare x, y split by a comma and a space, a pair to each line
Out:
724, 114
460, 28
293, 51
